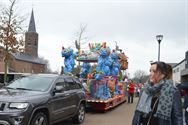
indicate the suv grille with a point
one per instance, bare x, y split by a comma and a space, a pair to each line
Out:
4, 122
2, 106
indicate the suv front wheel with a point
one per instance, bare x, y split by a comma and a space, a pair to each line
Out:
80, 115
39, 119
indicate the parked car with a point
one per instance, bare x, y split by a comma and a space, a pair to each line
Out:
42, 99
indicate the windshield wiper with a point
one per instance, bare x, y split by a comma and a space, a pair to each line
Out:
6, 88
24, 89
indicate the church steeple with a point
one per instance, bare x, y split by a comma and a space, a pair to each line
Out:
31, 38
32, 23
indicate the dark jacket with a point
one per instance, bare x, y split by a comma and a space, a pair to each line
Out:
184, 86
176, 117
185, 101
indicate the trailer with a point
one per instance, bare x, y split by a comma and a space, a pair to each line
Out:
106, 93
104, 105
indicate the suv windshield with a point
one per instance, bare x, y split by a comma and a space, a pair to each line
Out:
34, 83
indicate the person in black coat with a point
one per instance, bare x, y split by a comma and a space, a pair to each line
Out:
160, 101
186, 104
183, 87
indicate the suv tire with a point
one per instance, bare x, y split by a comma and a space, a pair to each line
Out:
80, 115
39, 119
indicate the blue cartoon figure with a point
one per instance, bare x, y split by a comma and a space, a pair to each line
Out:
69, 62
85, 68
115, 63
104, 61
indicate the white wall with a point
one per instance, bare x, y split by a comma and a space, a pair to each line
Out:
177, 71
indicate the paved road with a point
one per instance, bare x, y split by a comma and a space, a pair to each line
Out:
120, 115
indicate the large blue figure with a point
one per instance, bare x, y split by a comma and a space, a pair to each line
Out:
85, 68
115, 68
115, 63
104, 61
69, 62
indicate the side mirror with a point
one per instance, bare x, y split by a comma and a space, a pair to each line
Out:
58, 89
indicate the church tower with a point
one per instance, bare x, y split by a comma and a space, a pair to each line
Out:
31, 38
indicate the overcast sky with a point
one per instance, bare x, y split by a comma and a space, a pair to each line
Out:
134, 24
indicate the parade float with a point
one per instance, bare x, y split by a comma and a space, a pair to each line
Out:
103, 80
100, 73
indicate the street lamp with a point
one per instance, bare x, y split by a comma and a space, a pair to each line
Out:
159, 39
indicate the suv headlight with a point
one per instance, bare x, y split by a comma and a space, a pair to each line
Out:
18, 105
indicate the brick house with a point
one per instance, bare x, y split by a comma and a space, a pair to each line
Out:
27, 62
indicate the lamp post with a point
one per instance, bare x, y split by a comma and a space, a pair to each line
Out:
159, 39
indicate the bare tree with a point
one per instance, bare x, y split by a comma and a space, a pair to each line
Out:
47, 65
140, 76
80, 35
80, 39
11, 37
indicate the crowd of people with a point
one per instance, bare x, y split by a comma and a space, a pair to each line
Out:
160, 102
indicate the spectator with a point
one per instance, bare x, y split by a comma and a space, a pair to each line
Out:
183, 87
160, 101
131, 88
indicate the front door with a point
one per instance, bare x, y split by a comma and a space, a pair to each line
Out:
60, 102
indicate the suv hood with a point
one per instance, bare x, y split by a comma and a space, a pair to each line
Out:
14, 95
